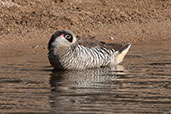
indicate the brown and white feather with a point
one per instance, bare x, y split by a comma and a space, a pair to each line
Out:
87, 53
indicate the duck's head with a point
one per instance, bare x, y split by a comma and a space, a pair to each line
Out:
62, 38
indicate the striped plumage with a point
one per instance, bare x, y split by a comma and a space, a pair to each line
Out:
71, 53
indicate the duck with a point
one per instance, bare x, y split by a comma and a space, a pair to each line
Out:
69, 52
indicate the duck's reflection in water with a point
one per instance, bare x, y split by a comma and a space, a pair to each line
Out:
71, 89
83, 81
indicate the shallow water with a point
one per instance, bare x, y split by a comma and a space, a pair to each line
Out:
141, 85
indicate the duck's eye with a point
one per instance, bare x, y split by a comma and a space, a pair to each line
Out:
68, 36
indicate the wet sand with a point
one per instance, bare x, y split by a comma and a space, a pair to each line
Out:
26, 26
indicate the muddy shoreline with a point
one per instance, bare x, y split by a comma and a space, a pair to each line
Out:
26, 26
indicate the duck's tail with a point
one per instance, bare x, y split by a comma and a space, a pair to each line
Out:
120, 54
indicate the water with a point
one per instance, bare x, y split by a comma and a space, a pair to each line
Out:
141, 85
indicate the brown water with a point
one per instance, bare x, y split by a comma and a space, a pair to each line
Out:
142, 85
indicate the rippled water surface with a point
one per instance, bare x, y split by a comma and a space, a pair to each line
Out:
140, 85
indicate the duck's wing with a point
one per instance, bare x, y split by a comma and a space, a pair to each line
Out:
120, 50
91, 42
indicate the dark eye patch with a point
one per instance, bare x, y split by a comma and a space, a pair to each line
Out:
57, 34
68, 37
